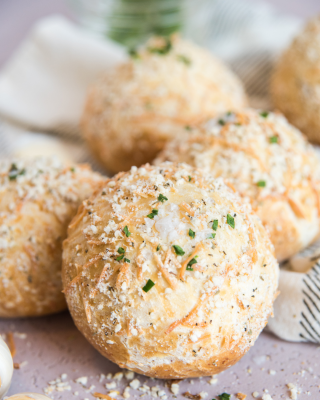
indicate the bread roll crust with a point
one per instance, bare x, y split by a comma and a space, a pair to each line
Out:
268, 162
214, 282
132, 111
295, 81
38, 198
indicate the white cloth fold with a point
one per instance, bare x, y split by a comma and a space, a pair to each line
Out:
297, 309
45, 83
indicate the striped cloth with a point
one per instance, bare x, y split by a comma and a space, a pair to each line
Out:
248, 36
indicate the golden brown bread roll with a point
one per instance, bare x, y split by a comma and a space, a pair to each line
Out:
295, 82
132, 111
268, 162
167, 273
38, 198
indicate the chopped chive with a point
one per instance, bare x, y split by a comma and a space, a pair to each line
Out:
230, 221
215, 224
186, 60
179, 251
264, 114
162, 198
120, 257
72, 169
190, 263
152, 214
158, 247
221, 122
224, 396
212, 236
188, 128
189, 178
14, 172
126, 231
121, 250
133, 53
261, 183
273, 139
192, 234
127, 260
149, 285
161, 50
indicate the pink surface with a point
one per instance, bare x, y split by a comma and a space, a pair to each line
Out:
53, 346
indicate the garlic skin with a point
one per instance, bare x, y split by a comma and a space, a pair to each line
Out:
6, 368
28, 396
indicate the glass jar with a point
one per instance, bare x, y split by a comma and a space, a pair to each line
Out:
131, 22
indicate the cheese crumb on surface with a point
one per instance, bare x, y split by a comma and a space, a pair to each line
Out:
135, 384
175, 388
83, 380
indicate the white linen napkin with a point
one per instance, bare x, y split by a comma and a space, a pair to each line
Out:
297, 309
45, 83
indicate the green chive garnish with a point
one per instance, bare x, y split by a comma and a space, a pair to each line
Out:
72, 169
192, 234
152, 214
121, 250
215, 224
127, 260
261, 183
186, 60
120, 257
230, 221
212, 236
158, 247
162, 198
190, 263
273, 139
149, 285
14, 172
161, 50
264, 114
133, 53
224, 396
126, 231
189, 178
179, 251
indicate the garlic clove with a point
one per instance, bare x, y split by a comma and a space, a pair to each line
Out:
6, 368
28, 396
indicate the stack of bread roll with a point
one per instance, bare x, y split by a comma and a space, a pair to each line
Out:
169, 268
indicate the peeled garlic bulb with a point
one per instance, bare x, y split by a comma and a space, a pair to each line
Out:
28, 396
6, 368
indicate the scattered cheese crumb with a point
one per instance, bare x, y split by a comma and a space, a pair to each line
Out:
111, 385
241, 396
293, 391
272, 372
213, 381
129, 375
135, 384
83, 380
175, 388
